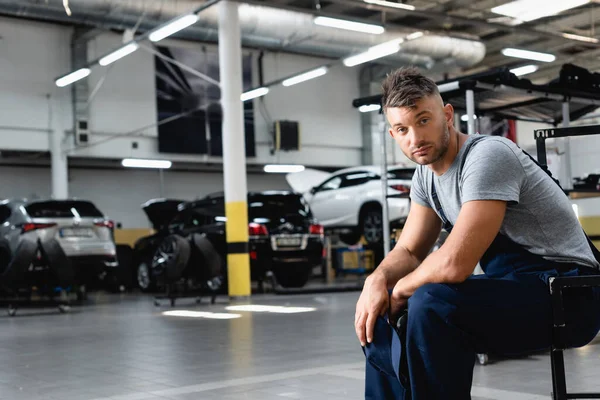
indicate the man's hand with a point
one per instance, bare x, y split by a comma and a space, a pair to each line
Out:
373, 302
398, 301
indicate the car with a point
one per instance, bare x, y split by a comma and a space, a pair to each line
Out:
284, 238
85, 235
349, 201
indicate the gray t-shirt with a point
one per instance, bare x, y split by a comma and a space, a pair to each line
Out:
538, 215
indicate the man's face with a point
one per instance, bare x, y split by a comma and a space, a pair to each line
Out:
422, 132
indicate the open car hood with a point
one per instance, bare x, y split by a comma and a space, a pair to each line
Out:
161, 211
302, 182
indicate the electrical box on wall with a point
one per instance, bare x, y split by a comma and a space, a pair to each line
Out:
82, 132
287, 135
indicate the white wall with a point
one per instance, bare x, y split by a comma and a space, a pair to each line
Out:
119, 193
32, 55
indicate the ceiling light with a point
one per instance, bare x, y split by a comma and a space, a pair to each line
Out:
369, 108
349, 25
173, 27
283, 168
375, 52
529, 55
252, 94
271, 309
200, 314
118, 54
529, 10
142, 163
580, 38
391, 4
315, 73
72, 77
524, 70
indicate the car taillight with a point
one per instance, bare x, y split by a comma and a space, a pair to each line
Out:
401, 188
106, 224
316, 229
33, 227
255, 229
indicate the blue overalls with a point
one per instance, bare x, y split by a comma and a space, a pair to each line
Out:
506, 311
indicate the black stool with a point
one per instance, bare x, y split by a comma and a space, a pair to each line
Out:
559, 385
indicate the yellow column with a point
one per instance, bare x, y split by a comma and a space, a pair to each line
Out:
238, 261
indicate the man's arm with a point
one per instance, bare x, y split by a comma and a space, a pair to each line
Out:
419, 234
476, 227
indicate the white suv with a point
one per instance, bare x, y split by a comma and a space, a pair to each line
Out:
349, 201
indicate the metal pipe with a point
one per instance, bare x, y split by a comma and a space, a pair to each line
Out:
470, 111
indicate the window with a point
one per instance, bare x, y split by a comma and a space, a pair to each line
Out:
331, 184
358, 178
63, 209
402, 173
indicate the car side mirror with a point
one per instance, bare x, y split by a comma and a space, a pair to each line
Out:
313, 190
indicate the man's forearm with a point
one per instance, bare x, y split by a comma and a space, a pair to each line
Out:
397, 264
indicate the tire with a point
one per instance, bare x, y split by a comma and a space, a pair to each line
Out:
58, 262
371, 224
171, 258
350, 238
5, 255
292, 278
212, 262
16, 271
124, 273
144, 277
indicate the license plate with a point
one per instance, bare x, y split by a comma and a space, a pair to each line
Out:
77, 232
289, 242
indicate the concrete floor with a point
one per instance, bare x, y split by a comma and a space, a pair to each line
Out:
121, 347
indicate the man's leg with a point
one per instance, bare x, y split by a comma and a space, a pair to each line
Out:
381, 381
448, 324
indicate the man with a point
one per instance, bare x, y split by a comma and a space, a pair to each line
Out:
504, 212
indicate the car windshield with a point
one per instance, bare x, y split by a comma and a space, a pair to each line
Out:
401, 173
63, 209
277, 206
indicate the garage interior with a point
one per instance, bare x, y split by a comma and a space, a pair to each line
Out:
132, 133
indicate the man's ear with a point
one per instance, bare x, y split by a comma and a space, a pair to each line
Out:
449, 113
391, 133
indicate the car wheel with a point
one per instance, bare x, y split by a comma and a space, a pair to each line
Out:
372, 225
293, 278
350, 238
171, 258
144, 279
59, 263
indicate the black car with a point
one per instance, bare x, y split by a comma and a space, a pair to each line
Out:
190, 240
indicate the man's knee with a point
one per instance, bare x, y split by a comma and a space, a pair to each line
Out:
429, 298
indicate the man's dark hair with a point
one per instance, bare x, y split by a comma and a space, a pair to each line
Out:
405, 86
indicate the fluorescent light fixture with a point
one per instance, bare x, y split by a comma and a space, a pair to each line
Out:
271, 309
586, 39
529, 10
142, 163
315, 73
524, 70
349, 25
391, 4
118, 54
173, 27
465, 117
528, 55
252, 94
283, 168
200, 314
373, 53
72, 77
369, 108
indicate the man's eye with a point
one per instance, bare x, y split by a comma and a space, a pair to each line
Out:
424, 121
401, 130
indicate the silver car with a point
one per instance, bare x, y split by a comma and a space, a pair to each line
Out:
82, 231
